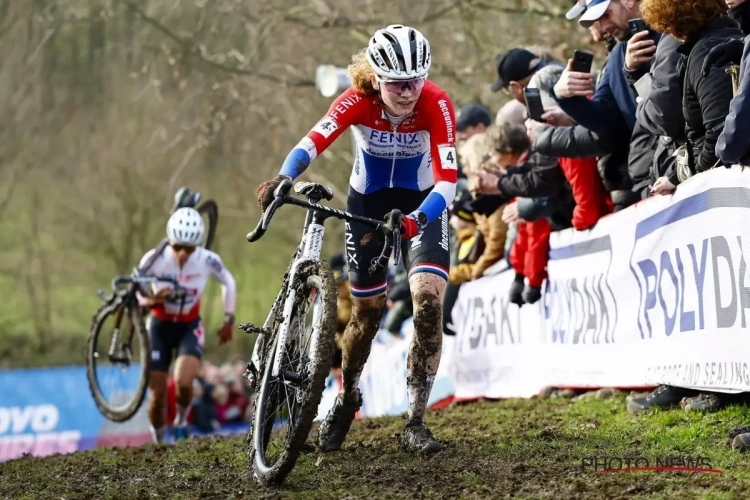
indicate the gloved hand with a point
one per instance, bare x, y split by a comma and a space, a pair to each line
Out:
266, 190
516, 288
531, 294
728, 52
409, 225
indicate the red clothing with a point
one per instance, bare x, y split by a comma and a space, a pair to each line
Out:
592, 199
233, 410
530, 250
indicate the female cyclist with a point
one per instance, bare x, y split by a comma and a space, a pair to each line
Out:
404, 128
175, 324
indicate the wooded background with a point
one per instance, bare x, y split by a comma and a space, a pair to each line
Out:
108, 107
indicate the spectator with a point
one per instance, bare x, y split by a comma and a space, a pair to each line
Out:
611, 112
576, 148
739, 11
472, 119
514, 71
701, 25
733, 146
660, 110
511, 112
510, 146
489, 218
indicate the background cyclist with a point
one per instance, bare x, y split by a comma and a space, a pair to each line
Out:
176, 325
404, 128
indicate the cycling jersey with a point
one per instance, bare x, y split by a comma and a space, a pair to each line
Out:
415, 153
193, 277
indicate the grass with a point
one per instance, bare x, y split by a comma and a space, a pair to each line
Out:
513, 448
75, 277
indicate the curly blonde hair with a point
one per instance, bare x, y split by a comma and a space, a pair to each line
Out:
473, 153
681, 18
361, 73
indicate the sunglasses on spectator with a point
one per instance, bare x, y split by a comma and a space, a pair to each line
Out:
400, 86
180, 248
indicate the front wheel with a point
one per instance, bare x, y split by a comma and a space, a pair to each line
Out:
118, 360
286, 404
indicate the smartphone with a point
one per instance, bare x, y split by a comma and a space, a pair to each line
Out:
637, 25
534, 106
582, 61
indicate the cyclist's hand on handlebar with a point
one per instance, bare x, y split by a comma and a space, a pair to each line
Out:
409, 226
225, 333
266, 190
160, 297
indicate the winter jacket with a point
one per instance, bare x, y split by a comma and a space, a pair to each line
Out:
539, 176
571, 142
705, 101
733, 145
612, 109
576, 149
660, 113
494, 231
467, 241
741, 15
592, 199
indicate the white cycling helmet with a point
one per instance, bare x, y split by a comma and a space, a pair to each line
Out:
186, 227
397, 40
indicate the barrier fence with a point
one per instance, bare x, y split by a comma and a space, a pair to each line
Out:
657, 293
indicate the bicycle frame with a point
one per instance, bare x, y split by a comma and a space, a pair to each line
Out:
309, 250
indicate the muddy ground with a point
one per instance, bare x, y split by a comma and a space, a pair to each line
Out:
529, 448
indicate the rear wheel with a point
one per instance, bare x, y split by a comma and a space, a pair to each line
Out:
118, 360
286, 404
210, 210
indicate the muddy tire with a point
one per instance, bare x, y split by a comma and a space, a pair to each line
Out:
306, 400
210, 209
97, 335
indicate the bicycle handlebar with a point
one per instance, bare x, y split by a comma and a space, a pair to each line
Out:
121, 281
391, 228
279, 197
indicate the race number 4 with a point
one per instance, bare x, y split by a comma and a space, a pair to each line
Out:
448, 156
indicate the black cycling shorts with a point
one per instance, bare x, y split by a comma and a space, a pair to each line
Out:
169, 336
428, 252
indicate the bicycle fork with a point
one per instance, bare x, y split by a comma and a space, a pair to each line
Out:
313, 243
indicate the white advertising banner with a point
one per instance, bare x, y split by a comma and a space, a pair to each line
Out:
657, 293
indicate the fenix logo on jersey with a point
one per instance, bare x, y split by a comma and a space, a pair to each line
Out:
405, 139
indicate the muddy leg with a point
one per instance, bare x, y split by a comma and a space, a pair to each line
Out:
362, 328
424, 351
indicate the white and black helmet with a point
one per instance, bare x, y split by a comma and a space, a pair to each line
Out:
186, 227
398, 41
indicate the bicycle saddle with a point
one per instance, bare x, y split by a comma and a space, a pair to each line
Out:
314, 190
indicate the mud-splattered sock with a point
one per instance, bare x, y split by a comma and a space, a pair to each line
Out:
157, 435
418, 389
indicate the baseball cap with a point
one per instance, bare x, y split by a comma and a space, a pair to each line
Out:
575, 11
461, 206
472, 115
594, 10
513, 66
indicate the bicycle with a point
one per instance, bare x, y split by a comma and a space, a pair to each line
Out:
123, 304
120, 405
289, 357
